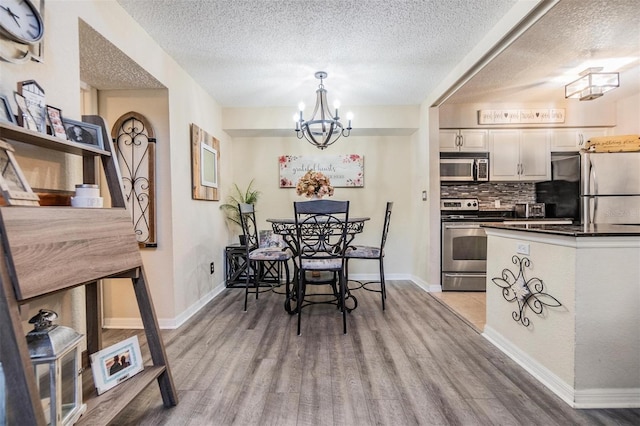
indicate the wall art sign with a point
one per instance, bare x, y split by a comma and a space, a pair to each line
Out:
520, 116
344, 171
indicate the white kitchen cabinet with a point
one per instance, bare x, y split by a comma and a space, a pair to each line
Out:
574, 139
519, 155
463, 140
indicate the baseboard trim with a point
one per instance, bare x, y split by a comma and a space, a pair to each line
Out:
165, 323
582, 399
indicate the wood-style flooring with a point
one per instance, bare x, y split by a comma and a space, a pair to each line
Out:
417, 363
471, 306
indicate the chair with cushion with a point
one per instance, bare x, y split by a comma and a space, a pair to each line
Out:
321, 232
261, 260
372, 253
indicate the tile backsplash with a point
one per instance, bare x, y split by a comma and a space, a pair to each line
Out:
509, 193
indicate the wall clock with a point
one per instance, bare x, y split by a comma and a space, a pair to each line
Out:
21, 30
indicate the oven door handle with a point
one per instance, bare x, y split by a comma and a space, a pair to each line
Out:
465, 226
468, 275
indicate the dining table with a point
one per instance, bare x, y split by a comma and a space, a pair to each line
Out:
286, 227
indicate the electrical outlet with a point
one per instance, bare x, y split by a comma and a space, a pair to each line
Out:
522, 248
213, 269
424, 195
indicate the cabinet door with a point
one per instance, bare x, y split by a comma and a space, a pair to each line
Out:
449, 140
535, 155
504, 155
573, 139
586, 134
474, 140
564, 140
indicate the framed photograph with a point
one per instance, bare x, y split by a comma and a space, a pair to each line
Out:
33, 94
13, 184
6, 114
81, 132
115, 364
55, 121
208, 166
25, 118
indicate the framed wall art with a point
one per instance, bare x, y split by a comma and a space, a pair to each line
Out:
81, 132
205, 170
115, 364
55, 121
344, 171
6, 115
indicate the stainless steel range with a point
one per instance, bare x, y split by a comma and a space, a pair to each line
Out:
464, 244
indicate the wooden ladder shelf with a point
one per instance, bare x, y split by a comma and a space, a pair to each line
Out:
45, 250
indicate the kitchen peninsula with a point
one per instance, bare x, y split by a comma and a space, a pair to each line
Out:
564, 302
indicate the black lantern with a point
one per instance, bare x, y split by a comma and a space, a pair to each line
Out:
55, 355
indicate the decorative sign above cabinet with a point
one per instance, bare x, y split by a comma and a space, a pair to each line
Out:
520, 116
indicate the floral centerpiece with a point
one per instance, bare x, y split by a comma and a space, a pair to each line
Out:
314, 184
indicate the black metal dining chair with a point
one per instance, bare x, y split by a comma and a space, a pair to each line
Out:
321, 232
260, 260
372, 253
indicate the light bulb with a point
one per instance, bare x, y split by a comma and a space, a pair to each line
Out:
336, 104
301, 106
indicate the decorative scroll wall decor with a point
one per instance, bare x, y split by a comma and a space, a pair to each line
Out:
528, 293
344, 171
135, 146
205, 175
520, 116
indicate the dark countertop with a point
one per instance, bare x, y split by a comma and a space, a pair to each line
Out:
593, 230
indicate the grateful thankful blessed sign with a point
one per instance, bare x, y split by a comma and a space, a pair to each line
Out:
520, 116
344, 171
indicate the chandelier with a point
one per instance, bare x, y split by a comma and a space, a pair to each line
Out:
323, 129
592, 84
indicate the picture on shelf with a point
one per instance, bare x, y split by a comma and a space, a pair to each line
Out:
25, 118
6, 115
81, 132
55, 121
33, 94
115, 364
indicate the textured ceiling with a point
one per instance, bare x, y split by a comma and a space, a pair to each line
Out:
259, 53
572, 36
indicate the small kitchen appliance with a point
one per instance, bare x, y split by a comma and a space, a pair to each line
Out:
529, 210
464, 167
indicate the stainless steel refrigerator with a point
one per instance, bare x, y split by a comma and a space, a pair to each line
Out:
610, 187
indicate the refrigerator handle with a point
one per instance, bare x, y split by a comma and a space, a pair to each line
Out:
593, 177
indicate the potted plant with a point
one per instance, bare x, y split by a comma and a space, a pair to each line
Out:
237, 196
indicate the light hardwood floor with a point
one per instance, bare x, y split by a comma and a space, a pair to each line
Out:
471, 306
415, 363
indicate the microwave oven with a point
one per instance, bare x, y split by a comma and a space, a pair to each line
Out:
464, 167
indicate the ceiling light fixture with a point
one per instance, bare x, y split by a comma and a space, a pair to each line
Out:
592, 84
322, 129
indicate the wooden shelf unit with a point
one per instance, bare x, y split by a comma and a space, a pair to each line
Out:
45, 250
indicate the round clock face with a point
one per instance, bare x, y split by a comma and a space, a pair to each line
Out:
20, 21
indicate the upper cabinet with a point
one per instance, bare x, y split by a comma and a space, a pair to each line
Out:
574, 139
519, 155
464, 140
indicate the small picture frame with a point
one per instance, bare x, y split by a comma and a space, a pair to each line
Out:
208, 165
6, 115
54, 116
81, 132
115, 364
26, 119
33, 94
13, 184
